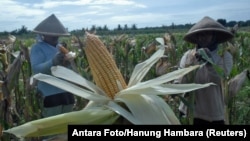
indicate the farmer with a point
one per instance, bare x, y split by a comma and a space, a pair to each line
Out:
209, 104
45, 54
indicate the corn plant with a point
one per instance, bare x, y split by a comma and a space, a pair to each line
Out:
129, 53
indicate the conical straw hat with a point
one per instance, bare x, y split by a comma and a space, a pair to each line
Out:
51, 26
208, 24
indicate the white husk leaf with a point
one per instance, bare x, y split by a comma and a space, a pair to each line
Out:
141, 69
70, 87
166, 89
58, 124
71, 76
161, 79
144, 109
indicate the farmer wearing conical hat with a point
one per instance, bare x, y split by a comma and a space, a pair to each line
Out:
209, 103
45, 54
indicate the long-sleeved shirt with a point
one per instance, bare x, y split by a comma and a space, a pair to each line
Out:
209, 102
41, 56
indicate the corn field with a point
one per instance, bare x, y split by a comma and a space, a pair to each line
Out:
20, 103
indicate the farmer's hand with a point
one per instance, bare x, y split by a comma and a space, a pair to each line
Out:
204, 55
58, 59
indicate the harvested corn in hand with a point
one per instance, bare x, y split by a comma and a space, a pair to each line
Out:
69, 54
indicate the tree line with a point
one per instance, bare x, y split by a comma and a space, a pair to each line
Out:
131, 30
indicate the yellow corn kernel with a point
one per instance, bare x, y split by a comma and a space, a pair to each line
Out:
105, 72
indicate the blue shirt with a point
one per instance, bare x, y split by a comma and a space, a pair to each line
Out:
41, 56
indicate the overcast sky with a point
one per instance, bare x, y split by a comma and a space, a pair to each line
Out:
78, 14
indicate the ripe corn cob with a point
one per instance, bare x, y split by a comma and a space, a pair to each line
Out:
103, 67
63, 49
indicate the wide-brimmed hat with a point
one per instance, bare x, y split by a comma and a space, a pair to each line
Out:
51, 26
208, 24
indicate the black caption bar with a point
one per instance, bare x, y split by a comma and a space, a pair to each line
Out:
158, 132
